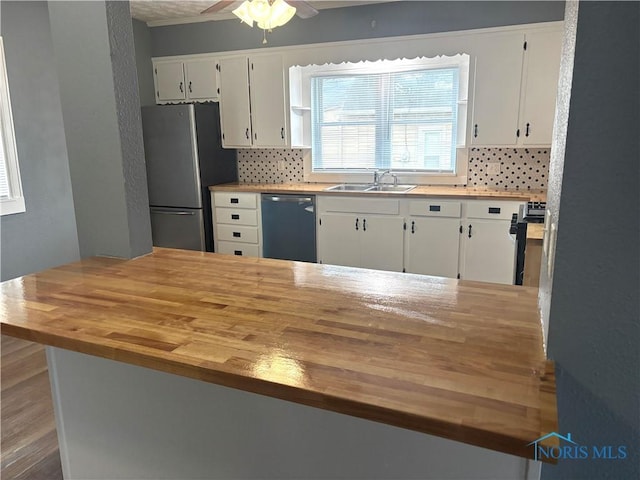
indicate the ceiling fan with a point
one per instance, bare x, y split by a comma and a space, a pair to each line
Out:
267, 14
303, 9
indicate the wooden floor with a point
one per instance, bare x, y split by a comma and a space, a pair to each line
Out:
29, 443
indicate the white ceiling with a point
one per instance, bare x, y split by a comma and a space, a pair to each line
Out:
162, 12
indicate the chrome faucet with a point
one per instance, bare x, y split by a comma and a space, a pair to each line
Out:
377, 176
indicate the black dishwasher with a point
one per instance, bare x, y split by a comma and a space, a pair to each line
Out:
289, 227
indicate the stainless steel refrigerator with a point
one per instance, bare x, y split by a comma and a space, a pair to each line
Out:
184, 155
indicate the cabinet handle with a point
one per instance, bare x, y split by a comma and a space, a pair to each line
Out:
181, 89
413, 226
356, 224
190, 90
255, 135
237, 234
235, 216
469, 231
247, 133
527, 131
282, 133
364, 224
237, 252
475, 131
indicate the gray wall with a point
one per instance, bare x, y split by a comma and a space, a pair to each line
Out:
94, 51
594, 329
142, 40
392, 19
44, 236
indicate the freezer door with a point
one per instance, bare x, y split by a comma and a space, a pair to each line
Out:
177, 228
171, 156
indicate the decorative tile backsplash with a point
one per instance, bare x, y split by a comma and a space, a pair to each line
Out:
520, 168
270, 166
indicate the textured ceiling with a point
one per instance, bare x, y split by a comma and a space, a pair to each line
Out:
151, 11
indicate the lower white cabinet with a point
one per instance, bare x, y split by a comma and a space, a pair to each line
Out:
236, 223
360, 233
432, 244
488, 250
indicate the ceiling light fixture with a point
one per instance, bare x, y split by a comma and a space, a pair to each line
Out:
268, 14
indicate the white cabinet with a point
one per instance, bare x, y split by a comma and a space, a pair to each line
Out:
236, 223
540, 86
184, 81
497, 89
488, 250
268, 112
357, 232
235, 110
432, 245
516, 78
252, 102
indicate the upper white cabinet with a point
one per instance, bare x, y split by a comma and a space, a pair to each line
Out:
268, 113
540, 85
235, 109
497, 89
515, 87
252, 101
184, 81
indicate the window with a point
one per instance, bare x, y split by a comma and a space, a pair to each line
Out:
408, 116
11, 198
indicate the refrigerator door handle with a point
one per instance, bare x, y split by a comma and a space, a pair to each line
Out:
165, 212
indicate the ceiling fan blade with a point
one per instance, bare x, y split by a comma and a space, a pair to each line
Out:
303, 9
216, 7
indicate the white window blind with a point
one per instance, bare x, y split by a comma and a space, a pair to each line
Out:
401, 121
399, 115
11, 198
4, 180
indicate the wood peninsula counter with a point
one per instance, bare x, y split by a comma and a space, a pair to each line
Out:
459, 360
420, 191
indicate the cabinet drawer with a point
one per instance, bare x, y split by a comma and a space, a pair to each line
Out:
237, 216
434, 208
233, 233
492, 209
235, 200
382, 206
239, 249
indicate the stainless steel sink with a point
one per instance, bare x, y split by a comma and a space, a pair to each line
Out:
361, 187
349, 187
391, 188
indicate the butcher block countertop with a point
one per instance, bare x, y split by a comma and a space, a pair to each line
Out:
458, 359
462, 193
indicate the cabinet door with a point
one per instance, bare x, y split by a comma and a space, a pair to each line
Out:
433, 246
235, 116
201, 77
268, 113
338, 239
169, 78
497, 90
490, 251
541, 70
382, 242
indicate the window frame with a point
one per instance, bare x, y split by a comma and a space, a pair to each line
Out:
15, 202
460, 61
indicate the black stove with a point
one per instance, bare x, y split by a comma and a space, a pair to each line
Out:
534, 212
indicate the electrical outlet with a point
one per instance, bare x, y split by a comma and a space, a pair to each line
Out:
280, 165
493, 168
